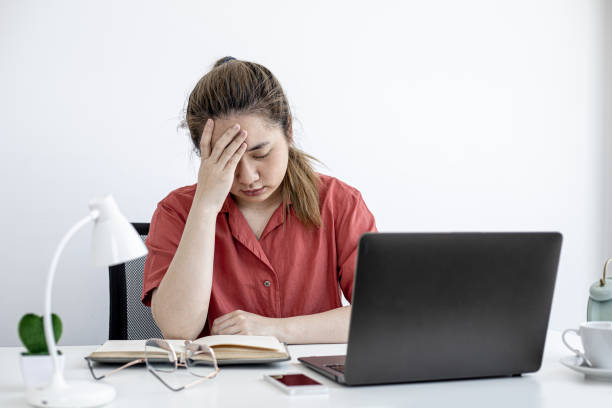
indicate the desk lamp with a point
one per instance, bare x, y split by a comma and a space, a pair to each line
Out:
114, 241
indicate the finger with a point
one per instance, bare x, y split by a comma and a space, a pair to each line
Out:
215, 326
226, 316
233, 161
231, 330
229, 327
232, 148
223, 141
226, 325
236, 317
205, 139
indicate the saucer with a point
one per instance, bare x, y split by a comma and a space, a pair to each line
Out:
577, 364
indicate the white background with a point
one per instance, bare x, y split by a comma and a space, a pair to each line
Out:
446, 115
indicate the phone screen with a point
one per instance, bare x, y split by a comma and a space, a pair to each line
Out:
291, 380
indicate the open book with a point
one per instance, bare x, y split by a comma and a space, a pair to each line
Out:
229, 349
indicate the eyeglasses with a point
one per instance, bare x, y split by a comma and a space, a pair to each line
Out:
161, 359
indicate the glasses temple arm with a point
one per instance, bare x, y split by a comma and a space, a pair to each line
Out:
131, 363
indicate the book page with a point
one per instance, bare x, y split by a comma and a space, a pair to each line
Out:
260, 342
114, 346
227, 348
256, 342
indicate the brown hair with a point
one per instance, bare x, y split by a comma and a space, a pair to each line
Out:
235, 87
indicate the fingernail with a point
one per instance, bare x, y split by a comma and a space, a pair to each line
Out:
236, 126
208, 122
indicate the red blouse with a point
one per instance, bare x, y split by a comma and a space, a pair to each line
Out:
290, 271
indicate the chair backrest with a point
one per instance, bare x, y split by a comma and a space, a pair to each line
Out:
129, 319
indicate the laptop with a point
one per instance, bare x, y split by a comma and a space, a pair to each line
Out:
442, 306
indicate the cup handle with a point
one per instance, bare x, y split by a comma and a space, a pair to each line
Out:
574, 350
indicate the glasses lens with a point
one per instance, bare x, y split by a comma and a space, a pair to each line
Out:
200, 360
160, 356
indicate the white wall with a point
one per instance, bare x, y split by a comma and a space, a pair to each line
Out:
471, 115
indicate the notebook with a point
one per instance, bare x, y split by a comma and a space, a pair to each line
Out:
229, 349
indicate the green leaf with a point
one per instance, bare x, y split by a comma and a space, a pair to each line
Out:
32, 334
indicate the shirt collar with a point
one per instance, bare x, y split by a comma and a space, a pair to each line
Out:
229, 203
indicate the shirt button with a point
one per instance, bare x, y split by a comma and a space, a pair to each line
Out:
267, 284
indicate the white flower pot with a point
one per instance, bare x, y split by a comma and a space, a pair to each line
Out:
37, 370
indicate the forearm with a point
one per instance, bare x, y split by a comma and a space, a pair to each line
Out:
331, 326
180, 303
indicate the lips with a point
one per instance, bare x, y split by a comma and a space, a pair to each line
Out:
254, 192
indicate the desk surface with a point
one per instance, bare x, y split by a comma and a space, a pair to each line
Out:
553, 386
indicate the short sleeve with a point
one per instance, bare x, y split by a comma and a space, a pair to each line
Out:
165, 233
355, 220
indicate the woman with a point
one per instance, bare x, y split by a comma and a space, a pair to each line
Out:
261, 243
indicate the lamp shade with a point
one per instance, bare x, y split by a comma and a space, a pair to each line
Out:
114, 239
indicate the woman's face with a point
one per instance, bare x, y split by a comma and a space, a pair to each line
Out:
260, 172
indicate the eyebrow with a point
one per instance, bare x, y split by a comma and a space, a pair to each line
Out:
259, 146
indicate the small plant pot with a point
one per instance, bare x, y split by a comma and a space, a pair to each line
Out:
37, 370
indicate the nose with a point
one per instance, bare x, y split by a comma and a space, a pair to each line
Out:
246, 173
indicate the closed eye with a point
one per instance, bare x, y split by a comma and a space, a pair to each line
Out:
262, 157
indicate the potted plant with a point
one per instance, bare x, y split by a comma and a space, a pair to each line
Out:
36, 363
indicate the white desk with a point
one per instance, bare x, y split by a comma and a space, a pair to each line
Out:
553, 386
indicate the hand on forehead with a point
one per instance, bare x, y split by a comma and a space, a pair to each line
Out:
254, 126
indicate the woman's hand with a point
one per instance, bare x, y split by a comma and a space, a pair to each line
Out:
216, 174
240, 322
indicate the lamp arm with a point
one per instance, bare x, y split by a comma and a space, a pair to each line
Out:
48, 326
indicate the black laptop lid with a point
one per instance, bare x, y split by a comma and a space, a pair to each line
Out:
450, 305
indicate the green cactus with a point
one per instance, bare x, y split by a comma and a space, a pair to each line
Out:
32, 334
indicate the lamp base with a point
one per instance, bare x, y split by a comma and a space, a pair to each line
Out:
71, 394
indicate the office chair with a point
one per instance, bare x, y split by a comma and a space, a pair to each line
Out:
129, 319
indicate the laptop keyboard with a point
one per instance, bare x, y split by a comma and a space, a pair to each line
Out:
337, 367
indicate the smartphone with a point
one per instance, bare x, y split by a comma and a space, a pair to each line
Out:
296, 384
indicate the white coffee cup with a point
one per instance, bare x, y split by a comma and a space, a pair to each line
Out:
596, 340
